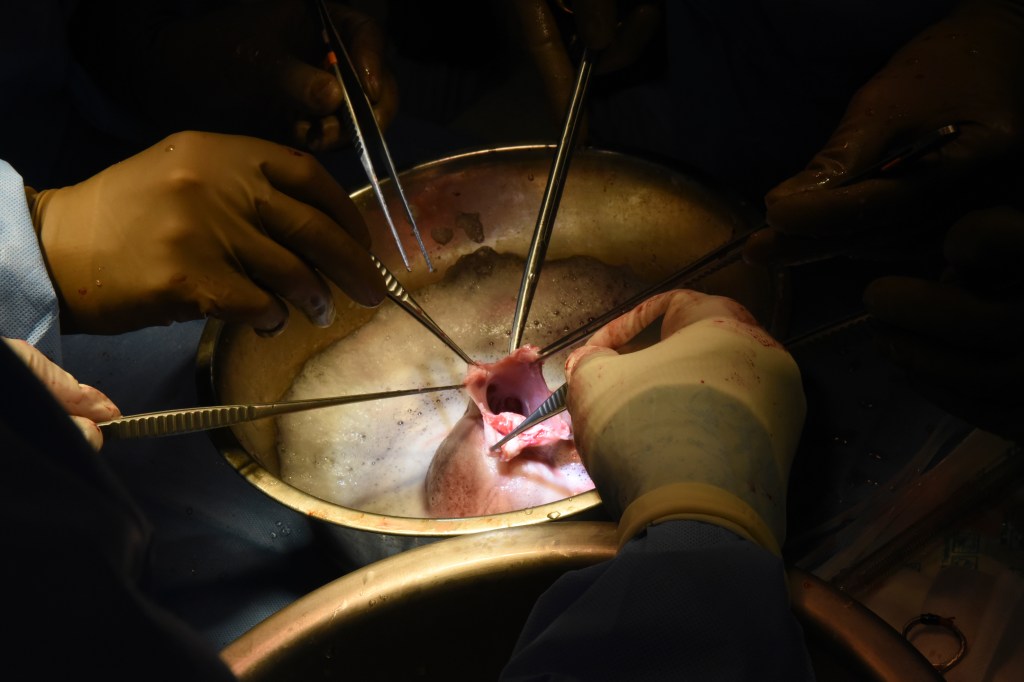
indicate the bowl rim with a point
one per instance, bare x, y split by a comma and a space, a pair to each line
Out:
298, 500
837, 622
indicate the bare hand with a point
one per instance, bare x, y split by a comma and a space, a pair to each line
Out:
84, 404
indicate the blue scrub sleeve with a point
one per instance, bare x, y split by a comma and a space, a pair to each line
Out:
28, 303
684, 600
75, 548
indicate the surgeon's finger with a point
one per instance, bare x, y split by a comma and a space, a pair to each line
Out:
301, 176
318, 240
78, 400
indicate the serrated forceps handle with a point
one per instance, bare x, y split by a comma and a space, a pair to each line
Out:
402, 298
189, 420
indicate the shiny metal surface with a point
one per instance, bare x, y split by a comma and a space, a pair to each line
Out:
552, 197
647, 218
404, 300
554, 404
453, 610
190, 420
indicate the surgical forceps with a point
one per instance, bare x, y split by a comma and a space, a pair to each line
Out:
721, 256
731, 251
366, 134
556, 402
551, 199
401, 297
189, 420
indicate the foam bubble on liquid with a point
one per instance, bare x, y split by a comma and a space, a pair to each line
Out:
374, 456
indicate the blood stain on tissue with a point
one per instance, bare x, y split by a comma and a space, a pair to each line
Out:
539, 466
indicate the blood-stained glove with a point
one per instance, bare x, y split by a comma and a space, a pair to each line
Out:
959, 337
701, 425
254, 68
84, 404
965, 70
203, 224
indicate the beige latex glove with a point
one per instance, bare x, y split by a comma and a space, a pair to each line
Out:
202, 224
84, 404
254, 68
702, 425
967, 70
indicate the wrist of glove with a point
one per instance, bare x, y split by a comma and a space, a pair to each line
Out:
701, 425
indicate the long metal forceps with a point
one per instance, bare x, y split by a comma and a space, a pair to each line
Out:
366, 134
552, 197
556, 402
401, 298
551, 406
192, 419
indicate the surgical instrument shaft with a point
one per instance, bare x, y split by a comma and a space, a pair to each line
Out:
551, 406
556, 402
726, 254
731, 251
552, 197
401, 297
189, 420
366, 133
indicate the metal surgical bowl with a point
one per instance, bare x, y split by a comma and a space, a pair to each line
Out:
619, 209
453, 611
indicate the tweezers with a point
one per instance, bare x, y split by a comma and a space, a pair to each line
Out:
549, 202
189, 420
904, 155
551, 406
366, 134
401, 297
556, 402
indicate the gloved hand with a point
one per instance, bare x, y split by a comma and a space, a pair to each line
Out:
701, 425
959, 338
598, 26
966, 70
255, 68
199, 225
84, 404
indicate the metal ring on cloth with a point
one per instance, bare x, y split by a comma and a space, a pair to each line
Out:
932, 619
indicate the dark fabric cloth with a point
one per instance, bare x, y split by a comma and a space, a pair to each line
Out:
76, 547
683, 601
746, 91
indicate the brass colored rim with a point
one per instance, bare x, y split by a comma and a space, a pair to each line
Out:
298, 500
